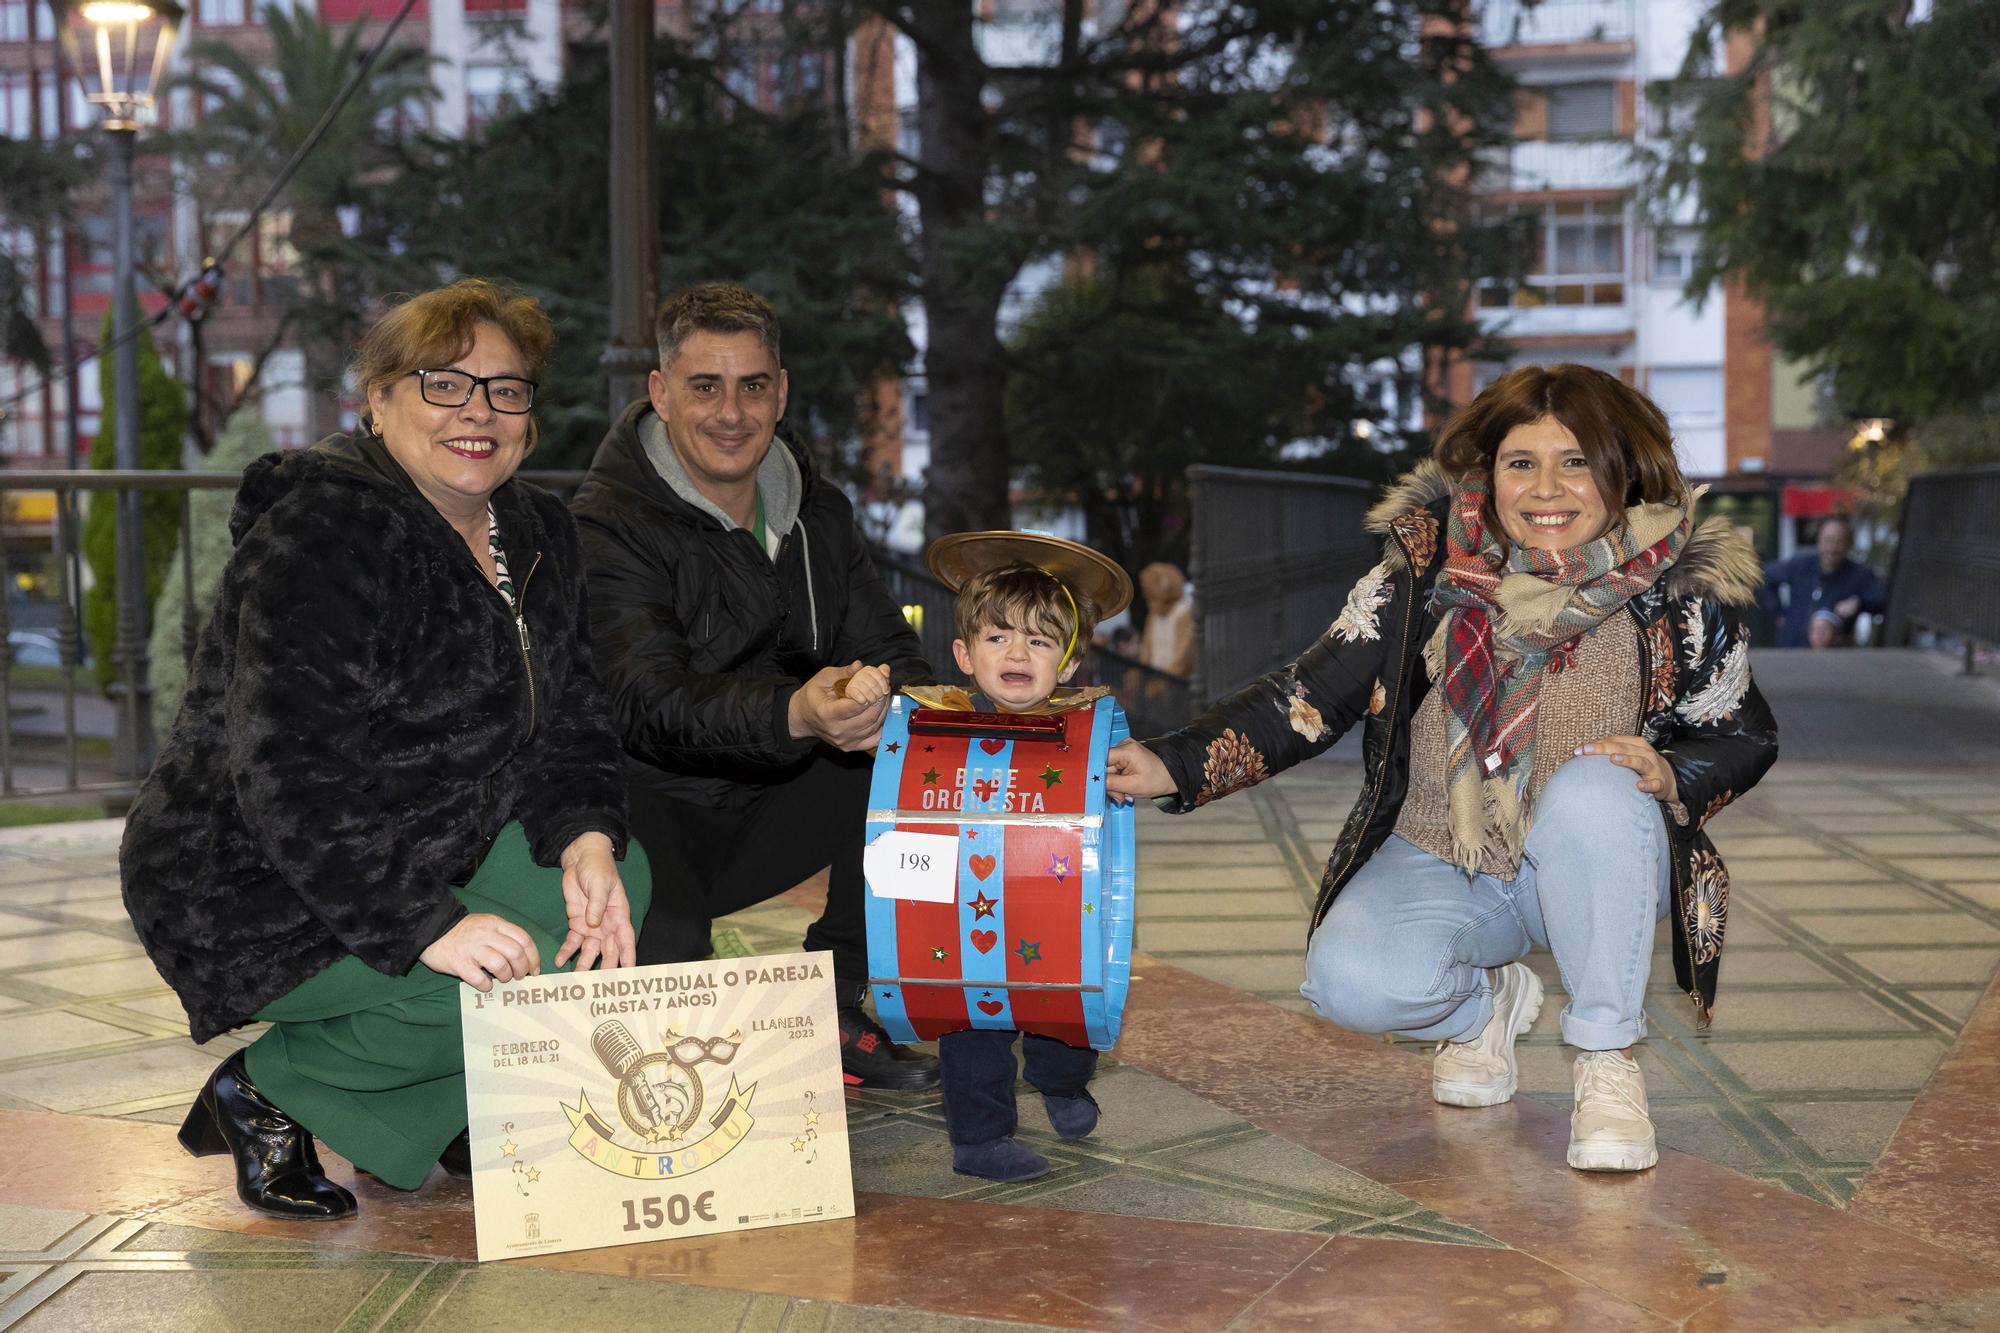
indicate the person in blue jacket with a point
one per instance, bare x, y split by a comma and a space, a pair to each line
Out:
1817, 594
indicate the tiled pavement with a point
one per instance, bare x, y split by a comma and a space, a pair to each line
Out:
1299, 1174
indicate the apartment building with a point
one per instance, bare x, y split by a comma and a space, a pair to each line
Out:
1604, 284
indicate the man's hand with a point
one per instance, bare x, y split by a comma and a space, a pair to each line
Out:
821, 709
1847, 608
1132, 770
600, 916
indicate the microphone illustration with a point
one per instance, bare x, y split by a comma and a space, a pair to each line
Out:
621, 1053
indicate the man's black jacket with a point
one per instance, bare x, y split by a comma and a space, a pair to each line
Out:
702, 638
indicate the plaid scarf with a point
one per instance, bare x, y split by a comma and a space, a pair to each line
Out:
1502, 625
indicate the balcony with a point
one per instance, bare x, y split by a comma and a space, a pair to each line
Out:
1560, 164
1574, 23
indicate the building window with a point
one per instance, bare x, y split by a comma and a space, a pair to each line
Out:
1690, 396
17, 103
1674, 252
221, 13
1581, 110
14, 21
1576, 257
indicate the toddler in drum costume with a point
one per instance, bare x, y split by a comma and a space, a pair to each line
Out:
1027, 604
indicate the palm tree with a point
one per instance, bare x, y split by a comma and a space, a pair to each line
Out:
39, 181
257, 114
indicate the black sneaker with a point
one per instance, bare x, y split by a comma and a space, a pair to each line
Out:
869, 1059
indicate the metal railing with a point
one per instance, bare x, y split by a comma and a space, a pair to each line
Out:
1946, 577
1555, 22
1560, 164
1273, 555
70, 761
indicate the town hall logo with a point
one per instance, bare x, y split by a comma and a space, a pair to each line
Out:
660, 1130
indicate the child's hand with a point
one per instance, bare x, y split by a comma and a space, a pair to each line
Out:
869, 685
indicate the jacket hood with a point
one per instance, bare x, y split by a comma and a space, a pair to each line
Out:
636, 454
1716, 562
363, 460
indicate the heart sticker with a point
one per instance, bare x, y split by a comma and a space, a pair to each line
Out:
992, 746
982, 866
984, 940
989, 1007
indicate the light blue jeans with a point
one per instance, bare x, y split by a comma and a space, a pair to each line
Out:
1407, 944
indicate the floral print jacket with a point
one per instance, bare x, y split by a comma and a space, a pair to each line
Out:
1702, 711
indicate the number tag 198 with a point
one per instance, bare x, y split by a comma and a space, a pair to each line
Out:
921, 867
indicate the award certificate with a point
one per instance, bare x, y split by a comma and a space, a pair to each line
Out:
609, 1108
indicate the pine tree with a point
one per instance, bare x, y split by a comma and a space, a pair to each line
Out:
1275, 190
1845, 167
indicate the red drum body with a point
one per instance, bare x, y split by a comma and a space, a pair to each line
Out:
1037, 933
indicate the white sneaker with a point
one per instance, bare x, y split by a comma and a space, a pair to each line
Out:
1610, 1129
1482, 1072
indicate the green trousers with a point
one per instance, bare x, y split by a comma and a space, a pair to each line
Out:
373, 1065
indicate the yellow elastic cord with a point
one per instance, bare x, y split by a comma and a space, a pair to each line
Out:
1075, 621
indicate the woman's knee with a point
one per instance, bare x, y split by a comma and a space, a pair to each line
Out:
1357, 982
1589, 788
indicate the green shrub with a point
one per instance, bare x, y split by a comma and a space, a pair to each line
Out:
162, 419
244, 439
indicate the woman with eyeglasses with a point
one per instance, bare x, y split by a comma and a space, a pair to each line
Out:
393, 772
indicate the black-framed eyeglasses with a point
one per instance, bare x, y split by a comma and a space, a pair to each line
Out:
454, 388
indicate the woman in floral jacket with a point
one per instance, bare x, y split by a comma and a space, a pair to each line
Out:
1554, 684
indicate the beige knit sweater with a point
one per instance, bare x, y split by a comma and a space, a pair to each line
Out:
1595, 695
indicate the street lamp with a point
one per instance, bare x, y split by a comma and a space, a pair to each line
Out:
129, 71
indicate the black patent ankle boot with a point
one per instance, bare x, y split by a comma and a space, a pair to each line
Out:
277, 1170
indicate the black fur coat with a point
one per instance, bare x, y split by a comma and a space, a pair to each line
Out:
360, 722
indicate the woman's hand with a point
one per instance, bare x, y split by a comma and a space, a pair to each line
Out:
600, 917
1131, 770
482, 949
1656, 775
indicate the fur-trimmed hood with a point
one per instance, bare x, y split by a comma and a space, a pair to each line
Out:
1716, 562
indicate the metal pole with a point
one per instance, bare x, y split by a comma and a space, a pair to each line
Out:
629, 352
135, 747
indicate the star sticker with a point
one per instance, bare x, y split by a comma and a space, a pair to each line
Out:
534, 1174
982, 905
1058, 866
929, 748
798, 1145
930, 777
509, 1148
972, 833
939, 955
1088, 908
1030, 953
892, 747
812, 1117
1050, 777
888, 995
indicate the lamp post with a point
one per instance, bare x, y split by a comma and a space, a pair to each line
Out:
635, 241
127, 88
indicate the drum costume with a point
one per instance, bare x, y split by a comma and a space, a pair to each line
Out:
1036, 938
